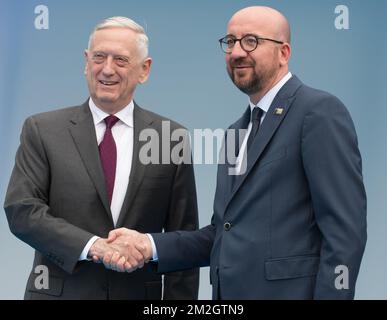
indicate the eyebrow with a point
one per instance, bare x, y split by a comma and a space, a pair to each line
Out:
244, 35
112, 54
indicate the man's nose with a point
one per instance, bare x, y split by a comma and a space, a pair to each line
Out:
108, 68
237, 51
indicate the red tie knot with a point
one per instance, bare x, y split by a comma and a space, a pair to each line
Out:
111, 121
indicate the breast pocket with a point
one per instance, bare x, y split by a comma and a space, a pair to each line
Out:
272, 156
155, 182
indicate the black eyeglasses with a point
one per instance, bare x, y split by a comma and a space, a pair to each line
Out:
248, 43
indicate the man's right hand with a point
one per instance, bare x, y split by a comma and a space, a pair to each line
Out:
135, 243
120, 255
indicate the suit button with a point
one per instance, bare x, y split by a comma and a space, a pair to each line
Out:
227, 226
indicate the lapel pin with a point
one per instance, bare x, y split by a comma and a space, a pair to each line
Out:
279, 111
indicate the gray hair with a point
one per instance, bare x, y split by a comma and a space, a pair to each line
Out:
123, 22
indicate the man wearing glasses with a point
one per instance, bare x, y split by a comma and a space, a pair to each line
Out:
293, 224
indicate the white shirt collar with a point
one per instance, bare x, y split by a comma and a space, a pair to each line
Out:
125, 115
267, 100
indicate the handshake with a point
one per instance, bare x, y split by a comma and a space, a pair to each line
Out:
123, 251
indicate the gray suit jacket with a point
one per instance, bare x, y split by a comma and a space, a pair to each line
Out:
280, 230
57, 200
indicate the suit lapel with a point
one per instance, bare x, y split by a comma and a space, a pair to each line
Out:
141, 122
270, 125
242, 123
82, 130
225, 181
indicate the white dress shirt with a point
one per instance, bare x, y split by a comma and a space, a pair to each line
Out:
123, 136
263, 104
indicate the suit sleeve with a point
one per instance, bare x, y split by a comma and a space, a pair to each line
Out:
27, 205
182, 250
182, 215
333, 168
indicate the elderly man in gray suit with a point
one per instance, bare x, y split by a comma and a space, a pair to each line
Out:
292, 225
78, 176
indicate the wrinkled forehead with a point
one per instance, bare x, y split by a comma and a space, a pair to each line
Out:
114, 38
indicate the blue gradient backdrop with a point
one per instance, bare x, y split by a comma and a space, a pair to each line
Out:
42, 70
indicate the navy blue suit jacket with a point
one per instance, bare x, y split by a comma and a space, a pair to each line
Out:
281, 229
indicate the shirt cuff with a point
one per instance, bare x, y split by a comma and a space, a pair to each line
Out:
86, 250
154, 251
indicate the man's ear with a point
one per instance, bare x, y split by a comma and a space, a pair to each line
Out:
86, 54
145, 70
285, 54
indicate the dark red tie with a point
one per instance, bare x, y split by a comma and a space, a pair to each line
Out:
108, 154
